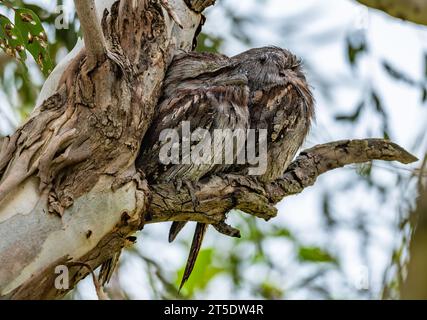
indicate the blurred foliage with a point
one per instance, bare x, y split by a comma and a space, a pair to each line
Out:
34, 29
356, 46
271, 261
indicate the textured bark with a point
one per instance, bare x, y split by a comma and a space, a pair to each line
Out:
415, 285
69, 190
220, 194
409, 10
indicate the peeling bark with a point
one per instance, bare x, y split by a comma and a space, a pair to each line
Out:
414, 286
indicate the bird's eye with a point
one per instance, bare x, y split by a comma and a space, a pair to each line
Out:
263, 58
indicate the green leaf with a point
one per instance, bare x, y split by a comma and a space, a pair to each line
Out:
315, 254
352, 117
11, 40
203, 273
35, 39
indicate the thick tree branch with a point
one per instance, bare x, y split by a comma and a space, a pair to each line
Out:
92, 32
410, 10
218, 195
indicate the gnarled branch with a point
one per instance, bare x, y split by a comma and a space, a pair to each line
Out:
409, 10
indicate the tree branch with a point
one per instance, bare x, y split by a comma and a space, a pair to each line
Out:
92, 32
409, 10
218, 195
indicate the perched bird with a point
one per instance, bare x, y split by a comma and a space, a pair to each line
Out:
260, 89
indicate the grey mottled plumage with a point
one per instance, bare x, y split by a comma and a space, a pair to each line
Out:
262, 88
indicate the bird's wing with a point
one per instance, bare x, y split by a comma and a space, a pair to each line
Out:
285, 111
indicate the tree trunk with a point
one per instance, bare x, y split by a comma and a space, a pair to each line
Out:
415, 284
69, 190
